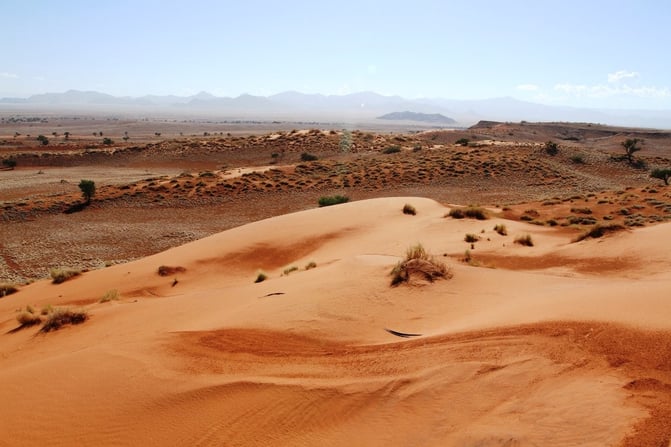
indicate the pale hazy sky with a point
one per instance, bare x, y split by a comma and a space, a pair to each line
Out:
581, 53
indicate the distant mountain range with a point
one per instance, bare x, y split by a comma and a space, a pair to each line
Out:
431, 118
351, 108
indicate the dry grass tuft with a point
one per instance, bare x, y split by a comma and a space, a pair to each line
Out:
110, 295
60, 317
310, 265
7, 289
418, 262
60, 275
166, 270
409, 209
28, 317
260, 277
525, 240
471, 212
598, 231
501, 229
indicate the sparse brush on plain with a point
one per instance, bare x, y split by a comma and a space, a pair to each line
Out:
418, 262
409, 209
110, 295
260, 277
60, 317
288, 270
525, 240
471, 237
471, 212
60, 275
392, 150
598, 231
332, 200
310, 265
7, 289
501, 229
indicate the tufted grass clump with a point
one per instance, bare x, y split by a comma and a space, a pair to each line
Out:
310, 265
599, 230
260, 277
525, 240
110, 295
409, 209
471, 212
332, 200
28, 317
418, 262
60, 275
7, 289
501, 229
60, 317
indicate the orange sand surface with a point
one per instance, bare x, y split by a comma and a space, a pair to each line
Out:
559, 344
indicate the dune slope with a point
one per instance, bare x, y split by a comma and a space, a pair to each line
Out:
561, 344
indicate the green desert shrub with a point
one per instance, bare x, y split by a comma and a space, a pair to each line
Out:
409, 209
332, 200
60, 317
418, 262
462, 141
60, 275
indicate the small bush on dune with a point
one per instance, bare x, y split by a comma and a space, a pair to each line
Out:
60, 275
471, 237
501, 229
310, 265
462, 141
166, 270
524, 240
392, 150
418, 262
332, 200
598, 231
28, 317
289, 270
409, 209
472, 212
7, 289
110, 295
260, 277
60, 317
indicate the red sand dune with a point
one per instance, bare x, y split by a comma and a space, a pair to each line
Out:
562, 344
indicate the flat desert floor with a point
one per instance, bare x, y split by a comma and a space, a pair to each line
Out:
547, 326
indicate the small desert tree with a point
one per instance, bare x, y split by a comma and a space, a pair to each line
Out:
88, 188
631, 145
42, 139
661, 174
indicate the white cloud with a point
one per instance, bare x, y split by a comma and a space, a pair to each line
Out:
8, 75
622, 74
528, 87
603, 91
